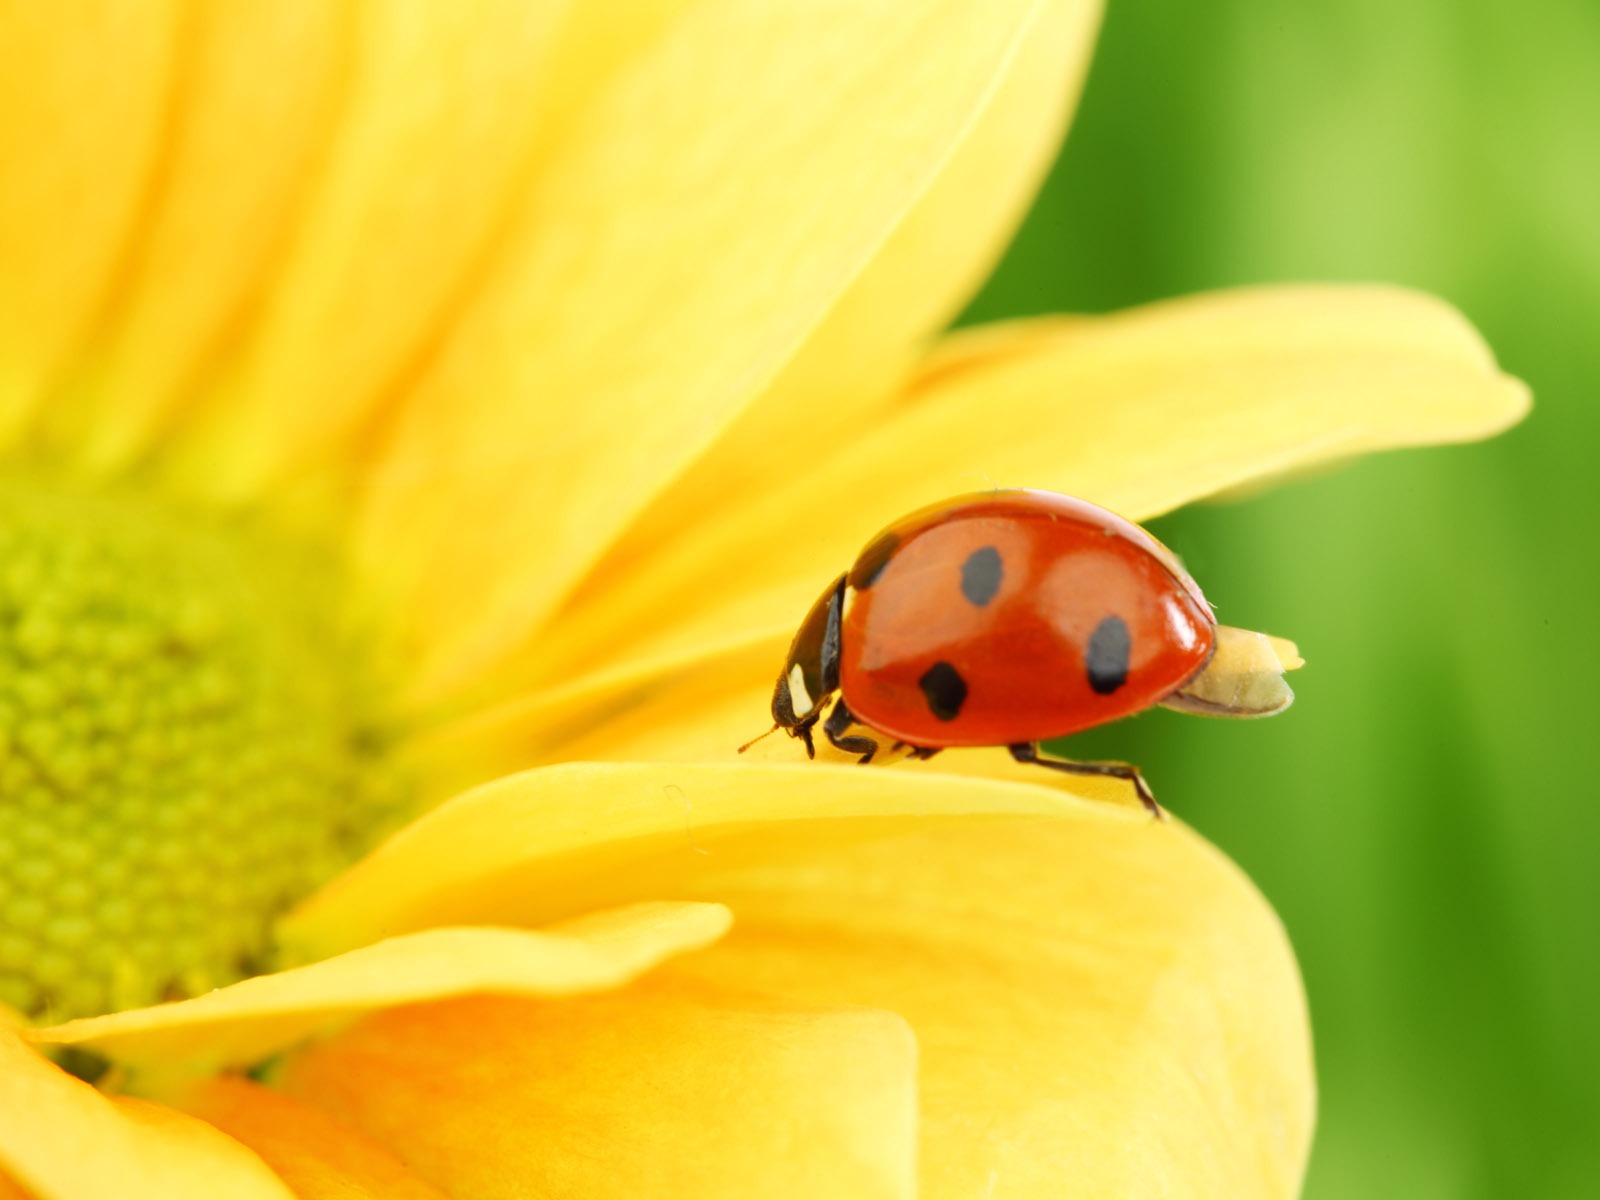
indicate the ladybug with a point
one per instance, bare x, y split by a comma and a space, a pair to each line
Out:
1009, 618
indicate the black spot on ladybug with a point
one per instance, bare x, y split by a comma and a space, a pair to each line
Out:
1107, 657
945, 689
980, 575
873, 560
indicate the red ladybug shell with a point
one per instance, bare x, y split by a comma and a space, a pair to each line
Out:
1015, 616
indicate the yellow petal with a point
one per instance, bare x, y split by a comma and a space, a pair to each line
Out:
318, 1158
716, 699
648, 1092
1104, 1008
560, 840
62, 1140
246, 1022
945, 247
84, 94
1140, 412
686, 235
257, 94
1139, 963
438, 126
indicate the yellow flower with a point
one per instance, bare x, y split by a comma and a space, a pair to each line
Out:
454, 407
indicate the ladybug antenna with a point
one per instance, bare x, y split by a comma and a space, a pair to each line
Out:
757, 738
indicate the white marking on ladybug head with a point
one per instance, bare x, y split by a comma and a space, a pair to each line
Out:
799, 698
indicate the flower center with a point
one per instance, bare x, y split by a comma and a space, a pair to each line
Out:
185, 747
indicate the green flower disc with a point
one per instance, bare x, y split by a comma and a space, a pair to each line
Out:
186, 748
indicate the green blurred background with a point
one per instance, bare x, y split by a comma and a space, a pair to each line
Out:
1424, 819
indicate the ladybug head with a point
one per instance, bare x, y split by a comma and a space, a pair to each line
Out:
810, 672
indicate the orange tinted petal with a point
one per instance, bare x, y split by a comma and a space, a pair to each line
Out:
650, 1092
319, 1158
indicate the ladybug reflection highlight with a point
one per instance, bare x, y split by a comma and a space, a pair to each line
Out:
1009, 618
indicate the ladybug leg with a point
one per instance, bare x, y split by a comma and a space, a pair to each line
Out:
923, 753
803, 732
1028, 752
838, 721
